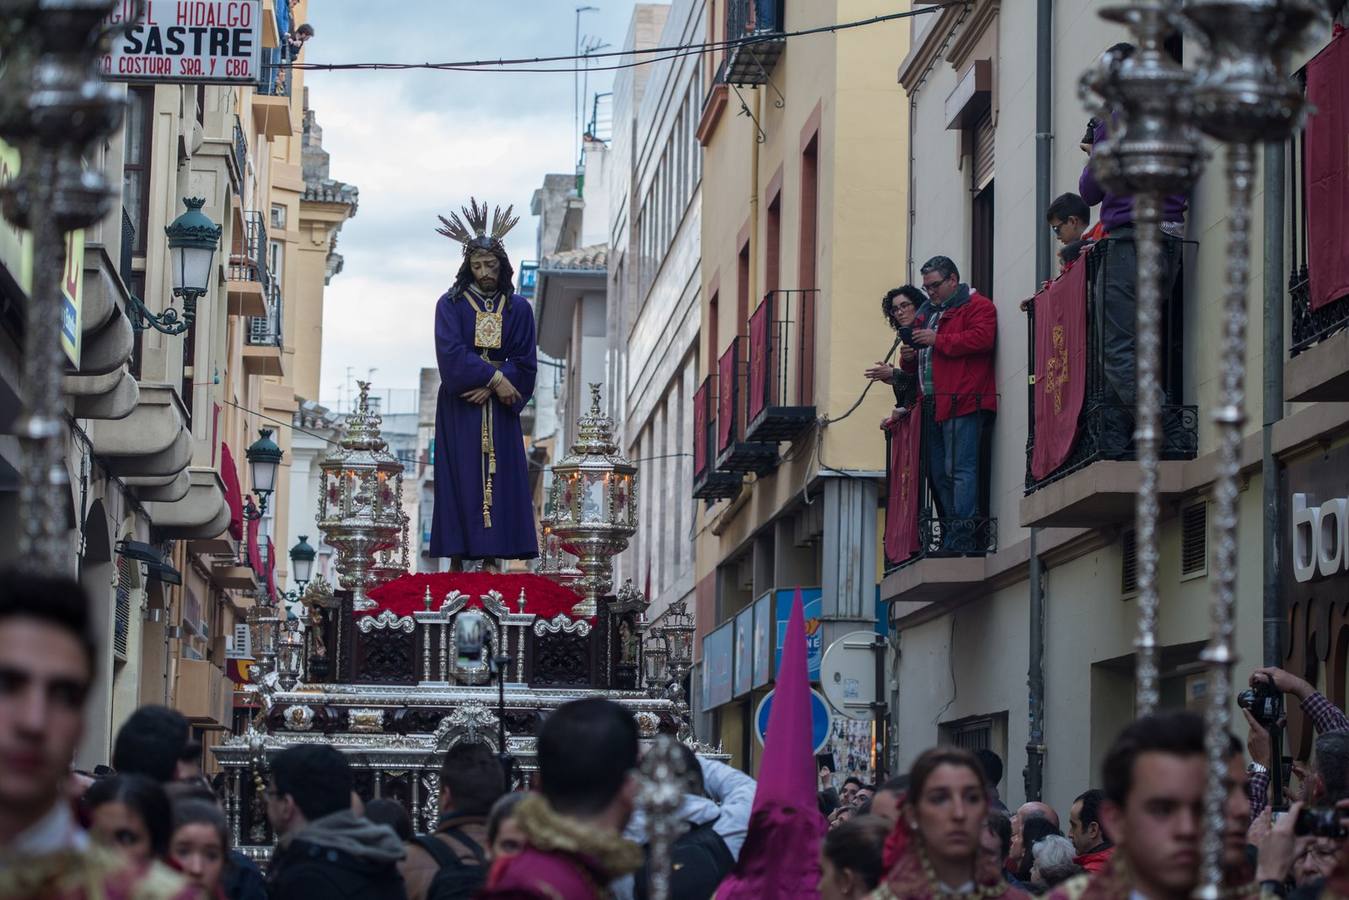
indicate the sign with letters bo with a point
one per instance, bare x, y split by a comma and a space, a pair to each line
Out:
186, 41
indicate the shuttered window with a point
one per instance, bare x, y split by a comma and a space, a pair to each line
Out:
1194, 540
122, 619
1129, 568
982, 170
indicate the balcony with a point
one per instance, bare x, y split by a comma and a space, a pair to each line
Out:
777, 391
205, 694
1318, 356
709, 483
247, 279
264, 338
736, 454
238, 158
757, 27
1096, 482
271, 99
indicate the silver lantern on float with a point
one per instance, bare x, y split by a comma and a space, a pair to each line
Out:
360, 513
594, 504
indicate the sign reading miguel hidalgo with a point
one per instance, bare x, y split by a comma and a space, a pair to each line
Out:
216, 41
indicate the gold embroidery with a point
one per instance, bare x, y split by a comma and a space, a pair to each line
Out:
1056, 369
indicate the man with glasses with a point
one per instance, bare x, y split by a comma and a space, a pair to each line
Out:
955, 333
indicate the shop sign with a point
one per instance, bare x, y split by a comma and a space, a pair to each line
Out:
812, 600
744, 644
186, 41
718, 652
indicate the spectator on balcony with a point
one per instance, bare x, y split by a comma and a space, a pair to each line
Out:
1070, 219
954, 335
899, 306
1115, 279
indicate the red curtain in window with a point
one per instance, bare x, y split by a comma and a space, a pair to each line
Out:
726, 396
254, 558
700, 409
271, 569
760, 334
1328, 173
901, 508
1060, 367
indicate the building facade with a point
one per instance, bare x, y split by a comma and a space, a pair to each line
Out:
160, 423
801, 186
1064, 558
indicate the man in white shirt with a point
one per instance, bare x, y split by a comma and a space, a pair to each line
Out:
46, 666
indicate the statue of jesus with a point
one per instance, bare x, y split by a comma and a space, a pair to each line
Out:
485, 349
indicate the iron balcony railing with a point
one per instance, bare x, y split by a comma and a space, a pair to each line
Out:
128, 248
239, 156
276, 72
248, 254
780, 401
941, 534
736, 453
708, 482
758, 26
1310, 326
1105, 427
265, 331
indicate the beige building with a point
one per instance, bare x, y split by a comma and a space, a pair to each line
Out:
803, 185
161, 423
965, 625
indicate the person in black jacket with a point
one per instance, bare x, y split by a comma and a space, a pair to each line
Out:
326, 851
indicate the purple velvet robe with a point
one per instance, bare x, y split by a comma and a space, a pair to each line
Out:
457, 527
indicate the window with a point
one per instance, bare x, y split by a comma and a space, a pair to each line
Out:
1194, 540
742, 288
278, 216
1128, 579
772, 244
810, 184
136, 162
713, 344
981, 241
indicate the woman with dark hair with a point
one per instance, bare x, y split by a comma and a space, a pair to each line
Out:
131, 814
850, 858
200, 843
899, 306
934, 851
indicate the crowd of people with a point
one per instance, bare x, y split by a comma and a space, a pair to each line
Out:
150, 825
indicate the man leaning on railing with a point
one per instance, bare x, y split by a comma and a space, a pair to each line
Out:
955, 332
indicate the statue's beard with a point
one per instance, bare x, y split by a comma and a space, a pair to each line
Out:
487, 285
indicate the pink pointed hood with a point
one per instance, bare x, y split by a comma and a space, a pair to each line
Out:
780, 857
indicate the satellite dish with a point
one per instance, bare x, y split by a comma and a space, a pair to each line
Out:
848, 674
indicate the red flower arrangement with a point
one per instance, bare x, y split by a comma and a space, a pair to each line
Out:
406, 594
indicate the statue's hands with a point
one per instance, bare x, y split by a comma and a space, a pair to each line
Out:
477, 395
506, 392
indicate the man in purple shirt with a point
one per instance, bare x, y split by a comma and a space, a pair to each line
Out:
1115, 286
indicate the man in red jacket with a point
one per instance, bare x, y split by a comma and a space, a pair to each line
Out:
1094, 847
955, 334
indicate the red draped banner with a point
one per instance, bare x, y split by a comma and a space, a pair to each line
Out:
701, 405
760, 334
726, 396
1060, 367
1328, 173
901, 508
234, 495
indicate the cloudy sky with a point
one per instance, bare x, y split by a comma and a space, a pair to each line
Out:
418, 143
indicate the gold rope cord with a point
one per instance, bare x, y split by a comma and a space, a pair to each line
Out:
488, 314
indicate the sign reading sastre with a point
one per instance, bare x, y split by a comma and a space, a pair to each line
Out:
218, 41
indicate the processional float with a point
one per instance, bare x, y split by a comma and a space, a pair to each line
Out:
1241, 93
393, 668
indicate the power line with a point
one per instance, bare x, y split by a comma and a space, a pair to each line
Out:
659, 53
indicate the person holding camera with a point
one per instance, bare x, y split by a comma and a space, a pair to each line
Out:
1268, 685
899, 306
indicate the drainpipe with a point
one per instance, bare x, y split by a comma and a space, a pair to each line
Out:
1273, 400
1044, 127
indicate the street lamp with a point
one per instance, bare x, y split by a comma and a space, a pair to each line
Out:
264, 457
302, 561
193, 239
